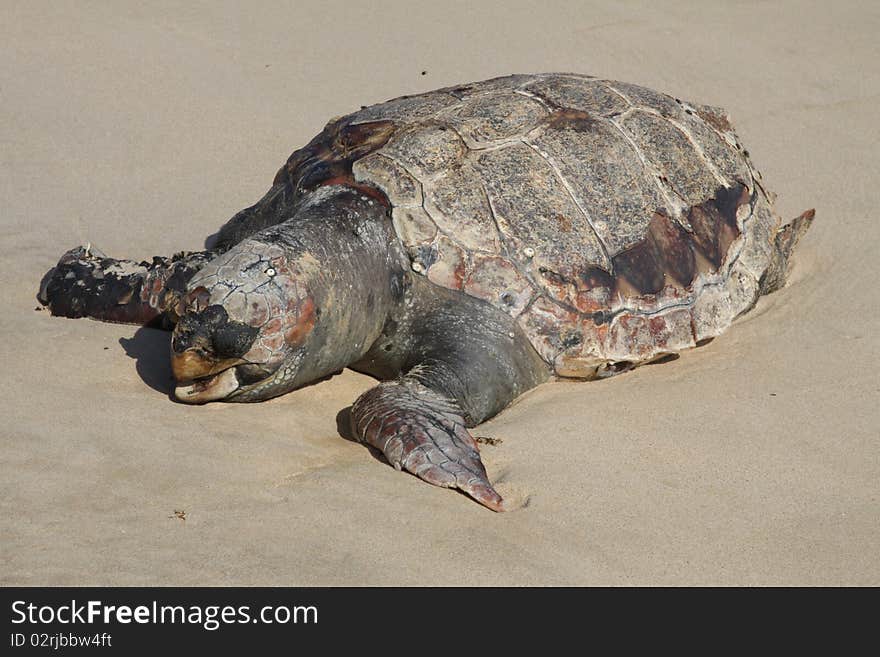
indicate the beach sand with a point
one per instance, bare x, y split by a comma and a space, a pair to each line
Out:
754, 460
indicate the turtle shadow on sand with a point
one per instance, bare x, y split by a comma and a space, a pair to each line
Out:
150, 348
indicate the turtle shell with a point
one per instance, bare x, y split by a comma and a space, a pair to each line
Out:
616, 224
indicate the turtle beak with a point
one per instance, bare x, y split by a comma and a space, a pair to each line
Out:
202, 378
211, 388
205, 350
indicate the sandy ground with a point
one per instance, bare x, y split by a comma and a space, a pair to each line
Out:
755, 460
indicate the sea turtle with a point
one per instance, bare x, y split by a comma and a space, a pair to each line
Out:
462, 246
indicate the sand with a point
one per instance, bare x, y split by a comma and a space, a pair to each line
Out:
754, 460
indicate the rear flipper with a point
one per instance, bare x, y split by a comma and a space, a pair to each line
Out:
86, 283
786, 240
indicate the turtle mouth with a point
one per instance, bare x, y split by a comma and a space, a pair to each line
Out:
221, 385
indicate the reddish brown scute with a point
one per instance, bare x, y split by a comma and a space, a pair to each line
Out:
616, 224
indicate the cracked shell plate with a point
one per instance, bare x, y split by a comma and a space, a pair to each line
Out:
615, 223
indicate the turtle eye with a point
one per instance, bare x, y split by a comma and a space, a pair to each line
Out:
270, 271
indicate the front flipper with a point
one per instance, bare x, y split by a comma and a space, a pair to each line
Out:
424, 433
86, 283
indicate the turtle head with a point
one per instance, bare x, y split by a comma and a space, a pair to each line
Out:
295, 302
244, 323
